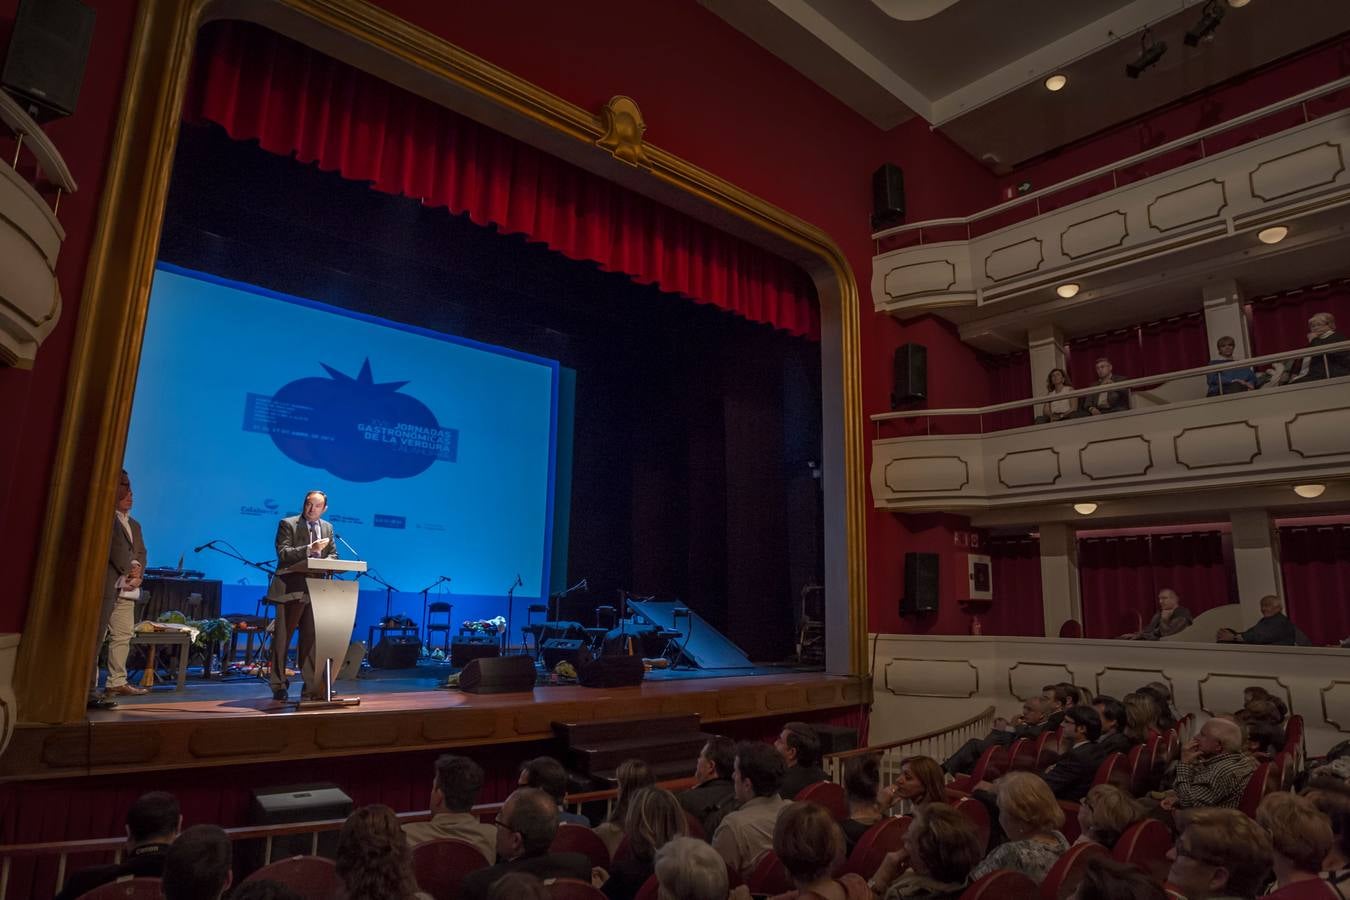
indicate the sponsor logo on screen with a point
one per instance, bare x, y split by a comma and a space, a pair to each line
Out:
384, 521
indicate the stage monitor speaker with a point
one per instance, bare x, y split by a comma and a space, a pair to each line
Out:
296, 803
909, 381
396, 652
921, 583
351, 663
555, 650
47, 52
498, 675
888, 197
466, 648
612, 671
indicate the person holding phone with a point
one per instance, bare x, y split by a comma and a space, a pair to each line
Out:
298, 537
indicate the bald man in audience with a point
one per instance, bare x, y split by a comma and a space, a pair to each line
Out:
1213, 770
1274, 627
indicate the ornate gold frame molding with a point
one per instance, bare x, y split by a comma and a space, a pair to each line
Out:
53, 666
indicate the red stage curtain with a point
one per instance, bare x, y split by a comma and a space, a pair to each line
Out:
295, 101
1016, 609
1315, 561
1119, 575
1148, 349
1281, 323
1009, 379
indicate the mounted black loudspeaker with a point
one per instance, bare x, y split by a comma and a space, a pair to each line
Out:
47, 52
921, 583
909, 382
888, 197
498, 675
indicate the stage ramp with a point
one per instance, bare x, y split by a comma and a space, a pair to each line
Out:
707, 647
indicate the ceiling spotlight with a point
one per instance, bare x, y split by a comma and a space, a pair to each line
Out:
1056, 82
1085, 509
1210, 18
1310, 491
1238, 4
1067, 291
1272, 235
1150, 51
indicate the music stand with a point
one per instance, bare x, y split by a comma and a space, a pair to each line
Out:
682, 612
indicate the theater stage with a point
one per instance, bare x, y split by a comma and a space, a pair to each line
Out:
238, 723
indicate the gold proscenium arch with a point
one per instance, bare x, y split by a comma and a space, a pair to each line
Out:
54, 667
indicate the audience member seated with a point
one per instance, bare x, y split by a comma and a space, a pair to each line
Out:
1141, 716
373, 858
516, 886
1113, 719
1321, 331
809, 845
747, 832
1060, 696
653, 817
940, 850
454, 791
713, 796
1162, 695
1105, 813
197, 865
1031, 818
862, 786
1108, 400
631, 776
1254, 692
263, 889
1030, 724
1273, 628
1221, 853
1260, 710
1229, 381
1264, 739
153, 821
1332, 796
920, 781
800, 748
1057, 382
1106, 879
526, 826
1300, 836
689, 869
547, 774
1170, 618
1213, 771
1070, 777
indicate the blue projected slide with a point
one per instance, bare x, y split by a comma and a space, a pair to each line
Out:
437, 453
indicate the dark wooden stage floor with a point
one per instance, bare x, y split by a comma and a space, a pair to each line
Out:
244, 729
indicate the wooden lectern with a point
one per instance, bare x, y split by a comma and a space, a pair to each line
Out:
334, 608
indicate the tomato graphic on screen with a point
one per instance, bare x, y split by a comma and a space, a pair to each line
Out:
355, 428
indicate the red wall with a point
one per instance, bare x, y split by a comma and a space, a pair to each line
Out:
708, 94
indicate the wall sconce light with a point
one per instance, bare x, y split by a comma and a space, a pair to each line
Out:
1272, 235
1085, 509
1310, 491
1056, 82
1067, 291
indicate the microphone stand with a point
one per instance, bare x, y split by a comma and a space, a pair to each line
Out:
510, 604
267, 568
426, 635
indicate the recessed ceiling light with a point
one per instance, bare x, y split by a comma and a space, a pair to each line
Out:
1056, 82
1085, 509
1310, 491
1272, 235
1067, 291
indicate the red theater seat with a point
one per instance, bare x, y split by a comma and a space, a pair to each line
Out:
993, 762
826, 794
1111, 771
1072, 628
440, 866
1062, 879
978, 815
1071, 829
1004, 884
572, 838
312, 877
872, 847
1312, 889
769, 876
1145, 845
131, 889
570, 889
1140, 766
1047, 750
1260, 783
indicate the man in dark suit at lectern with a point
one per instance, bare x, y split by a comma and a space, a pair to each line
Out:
298, 537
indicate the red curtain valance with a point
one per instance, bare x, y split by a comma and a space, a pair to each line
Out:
296, 101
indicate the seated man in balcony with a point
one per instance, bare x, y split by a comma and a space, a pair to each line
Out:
1229, 381
1322, 331
1273, 628
1107, 401
1170, 618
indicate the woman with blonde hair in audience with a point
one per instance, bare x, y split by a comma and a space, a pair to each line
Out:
920, 781
630, 776
654, 818
940, 849
1031, 818
373, 859
1105, 813
1300, 835
810, 845
1141, 716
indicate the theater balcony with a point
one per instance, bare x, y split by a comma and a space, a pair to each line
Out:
1174, 442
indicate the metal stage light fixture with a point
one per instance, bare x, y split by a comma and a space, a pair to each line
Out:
1150, 52
1210, 19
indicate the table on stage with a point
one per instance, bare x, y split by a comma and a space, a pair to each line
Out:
164, 594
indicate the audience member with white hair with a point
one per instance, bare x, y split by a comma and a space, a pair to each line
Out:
690, 869
1213, 770
1274, 627
1321, 331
